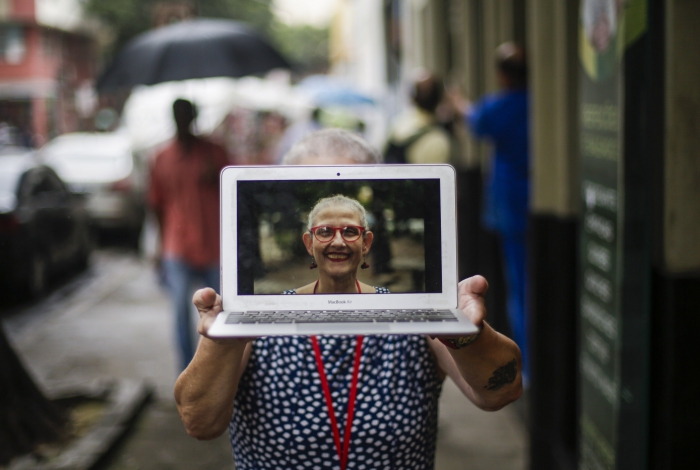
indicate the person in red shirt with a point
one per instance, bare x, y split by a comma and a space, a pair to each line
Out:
184, 194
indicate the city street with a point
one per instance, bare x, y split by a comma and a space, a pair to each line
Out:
550, 147
113, 322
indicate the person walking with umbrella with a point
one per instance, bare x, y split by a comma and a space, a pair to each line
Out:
184, 194
184, 191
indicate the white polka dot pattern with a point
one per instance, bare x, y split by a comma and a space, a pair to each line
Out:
280, 419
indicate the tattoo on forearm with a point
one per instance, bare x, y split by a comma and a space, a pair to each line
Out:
502, 376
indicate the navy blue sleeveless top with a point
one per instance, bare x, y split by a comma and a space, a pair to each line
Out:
280, 419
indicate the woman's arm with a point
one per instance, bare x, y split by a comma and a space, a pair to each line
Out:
488, 370
205, 390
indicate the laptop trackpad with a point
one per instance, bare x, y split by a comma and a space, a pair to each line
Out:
368, 327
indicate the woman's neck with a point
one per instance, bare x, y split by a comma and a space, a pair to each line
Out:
328, 285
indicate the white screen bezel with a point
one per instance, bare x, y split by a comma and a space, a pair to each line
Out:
229, 259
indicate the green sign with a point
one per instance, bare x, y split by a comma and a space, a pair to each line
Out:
606, 28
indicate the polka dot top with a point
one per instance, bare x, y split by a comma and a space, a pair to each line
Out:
280, 418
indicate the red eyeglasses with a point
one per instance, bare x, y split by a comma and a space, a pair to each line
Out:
325, 233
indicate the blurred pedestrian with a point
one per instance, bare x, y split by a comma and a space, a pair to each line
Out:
184, 194
295, 132
417, 136
257, 388
502, 118
5, 134
271, 128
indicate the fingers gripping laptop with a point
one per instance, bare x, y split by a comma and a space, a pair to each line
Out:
358, 249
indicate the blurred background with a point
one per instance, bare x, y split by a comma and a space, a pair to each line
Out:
613, 264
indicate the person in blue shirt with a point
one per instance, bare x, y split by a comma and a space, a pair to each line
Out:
502, 119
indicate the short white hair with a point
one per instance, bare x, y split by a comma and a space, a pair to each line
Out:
332, 142
342, 201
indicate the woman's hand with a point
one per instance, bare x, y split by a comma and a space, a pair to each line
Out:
487, 370
471, 294
209, 305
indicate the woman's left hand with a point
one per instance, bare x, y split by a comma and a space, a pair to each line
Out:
471, 299
487, 370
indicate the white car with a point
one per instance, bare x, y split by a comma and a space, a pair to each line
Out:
104, 167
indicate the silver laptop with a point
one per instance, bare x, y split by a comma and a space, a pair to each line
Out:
268, 281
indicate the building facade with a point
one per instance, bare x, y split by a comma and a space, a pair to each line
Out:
48, 61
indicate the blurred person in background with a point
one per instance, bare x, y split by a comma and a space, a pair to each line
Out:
417, 136
297, 131
502, 119
184, 195
271, 128
6, 138
268, 391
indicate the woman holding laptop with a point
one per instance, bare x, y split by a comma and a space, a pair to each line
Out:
339, 401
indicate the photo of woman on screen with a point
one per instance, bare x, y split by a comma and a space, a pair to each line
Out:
338, 240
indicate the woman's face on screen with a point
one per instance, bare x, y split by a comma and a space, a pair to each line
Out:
337, 258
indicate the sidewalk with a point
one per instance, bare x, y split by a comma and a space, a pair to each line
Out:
117, 325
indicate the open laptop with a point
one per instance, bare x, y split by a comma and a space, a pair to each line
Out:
412, 215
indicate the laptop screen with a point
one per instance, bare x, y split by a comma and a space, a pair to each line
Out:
402, 214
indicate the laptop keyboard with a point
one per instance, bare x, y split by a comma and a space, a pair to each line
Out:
340, 316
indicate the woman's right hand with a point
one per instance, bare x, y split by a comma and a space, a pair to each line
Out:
209, 305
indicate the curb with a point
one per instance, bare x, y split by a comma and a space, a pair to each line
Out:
125, 400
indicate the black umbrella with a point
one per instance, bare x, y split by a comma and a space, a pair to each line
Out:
198, 48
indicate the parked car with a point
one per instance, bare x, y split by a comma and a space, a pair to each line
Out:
104, 168
44, 228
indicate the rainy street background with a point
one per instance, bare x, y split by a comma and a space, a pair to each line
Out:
599, 272
86, 306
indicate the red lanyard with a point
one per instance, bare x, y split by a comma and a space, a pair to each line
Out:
342, 452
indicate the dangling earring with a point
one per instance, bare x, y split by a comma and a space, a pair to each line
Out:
364, 264
313, 264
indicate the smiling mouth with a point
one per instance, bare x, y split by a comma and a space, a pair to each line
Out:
337, 257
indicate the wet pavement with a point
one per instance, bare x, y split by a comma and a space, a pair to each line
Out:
113, 322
